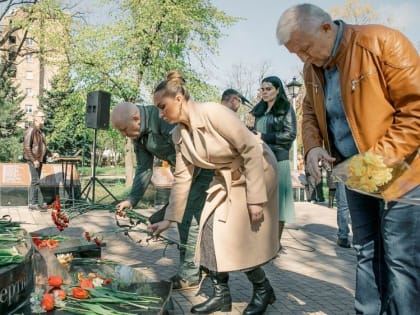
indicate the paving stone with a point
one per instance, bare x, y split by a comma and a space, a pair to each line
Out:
311, 275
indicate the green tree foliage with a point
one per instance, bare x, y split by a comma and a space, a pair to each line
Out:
65, 121
49, 27
10, 113
145, 41
10, 134
139, 44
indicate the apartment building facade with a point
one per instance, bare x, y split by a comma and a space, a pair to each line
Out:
29, 74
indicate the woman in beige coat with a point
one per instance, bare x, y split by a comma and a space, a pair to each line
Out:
238, 226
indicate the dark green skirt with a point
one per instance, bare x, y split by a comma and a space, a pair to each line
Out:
286, 202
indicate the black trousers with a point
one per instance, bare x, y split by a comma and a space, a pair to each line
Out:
35, 190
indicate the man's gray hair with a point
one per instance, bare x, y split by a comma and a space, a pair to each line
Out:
37, 112
306, 18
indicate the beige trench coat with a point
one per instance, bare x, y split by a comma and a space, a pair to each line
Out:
219, 140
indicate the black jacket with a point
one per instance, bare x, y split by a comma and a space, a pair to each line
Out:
280, 128
155, 140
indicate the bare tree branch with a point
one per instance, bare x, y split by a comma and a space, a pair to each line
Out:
7, 35
10, 62
12, 3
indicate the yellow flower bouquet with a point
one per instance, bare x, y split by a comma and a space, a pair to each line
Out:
368, 174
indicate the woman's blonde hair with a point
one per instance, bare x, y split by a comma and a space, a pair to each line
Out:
173, 84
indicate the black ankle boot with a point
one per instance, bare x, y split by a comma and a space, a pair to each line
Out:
263, 293
221, 299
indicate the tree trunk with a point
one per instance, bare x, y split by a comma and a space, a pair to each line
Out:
129, 162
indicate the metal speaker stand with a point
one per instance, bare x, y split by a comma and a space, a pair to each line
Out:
90, 186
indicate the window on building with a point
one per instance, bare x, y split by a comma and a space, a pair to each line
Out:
28, 92
12, 39
29, 41
28, 108
12, 55
29, 58
29, 75
12, 71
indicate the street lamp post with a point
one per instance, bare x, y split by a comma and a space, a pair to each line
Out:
293, 88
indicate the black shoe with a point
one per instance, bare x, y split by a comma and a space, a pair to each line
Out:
33, 207
221, 299
263, 293
43, 208
180, 284
343, 242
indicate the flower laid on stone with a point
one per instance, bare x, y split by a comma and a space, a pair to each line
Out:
45, 301
58, 293
102, 298
60, 220
92, 280
80, 293
368, 172
65, 259
89, 293
45, 242
91, 237
55, 281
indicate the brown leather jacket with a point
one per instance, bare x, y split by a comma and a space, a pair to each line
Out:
380, 87
34, 145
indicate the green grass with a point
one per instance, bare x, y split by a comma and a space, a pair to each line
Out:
120, 191
115, 185
116, 171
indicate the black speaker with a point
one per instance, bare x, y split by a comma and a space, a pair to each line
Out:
97, 109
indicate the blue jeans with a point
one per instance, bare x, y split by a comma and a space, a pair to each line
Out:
387, 241
343, 213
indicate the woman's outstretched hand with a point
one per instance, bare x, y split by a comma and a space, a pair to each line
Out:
159, 227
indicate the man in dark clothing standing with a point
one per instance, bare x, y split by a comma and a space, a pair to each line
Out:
35, 152
151, 138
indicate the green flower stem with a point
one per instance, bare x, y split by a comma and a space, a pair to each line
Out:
95, 309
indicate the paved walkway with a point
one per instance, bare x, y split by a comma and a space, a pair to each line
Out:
311, 275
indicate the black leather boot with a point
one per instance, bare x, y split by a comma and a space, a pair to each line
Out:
221, 299
263, 293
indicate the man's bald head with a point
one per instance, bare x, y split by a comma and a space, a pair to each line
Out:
123, 113
126, 118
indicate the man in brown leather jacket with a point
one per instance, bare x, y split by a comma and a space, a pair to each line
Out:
35, 153
363, 94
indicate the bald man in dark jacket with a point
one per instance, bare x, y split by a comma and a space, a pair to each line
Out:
151, 138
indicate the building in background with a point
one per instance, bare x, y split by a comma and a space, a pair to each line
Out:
28, 72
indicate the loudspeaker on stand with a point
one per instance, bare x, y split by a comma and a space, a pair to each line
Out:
97, 109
